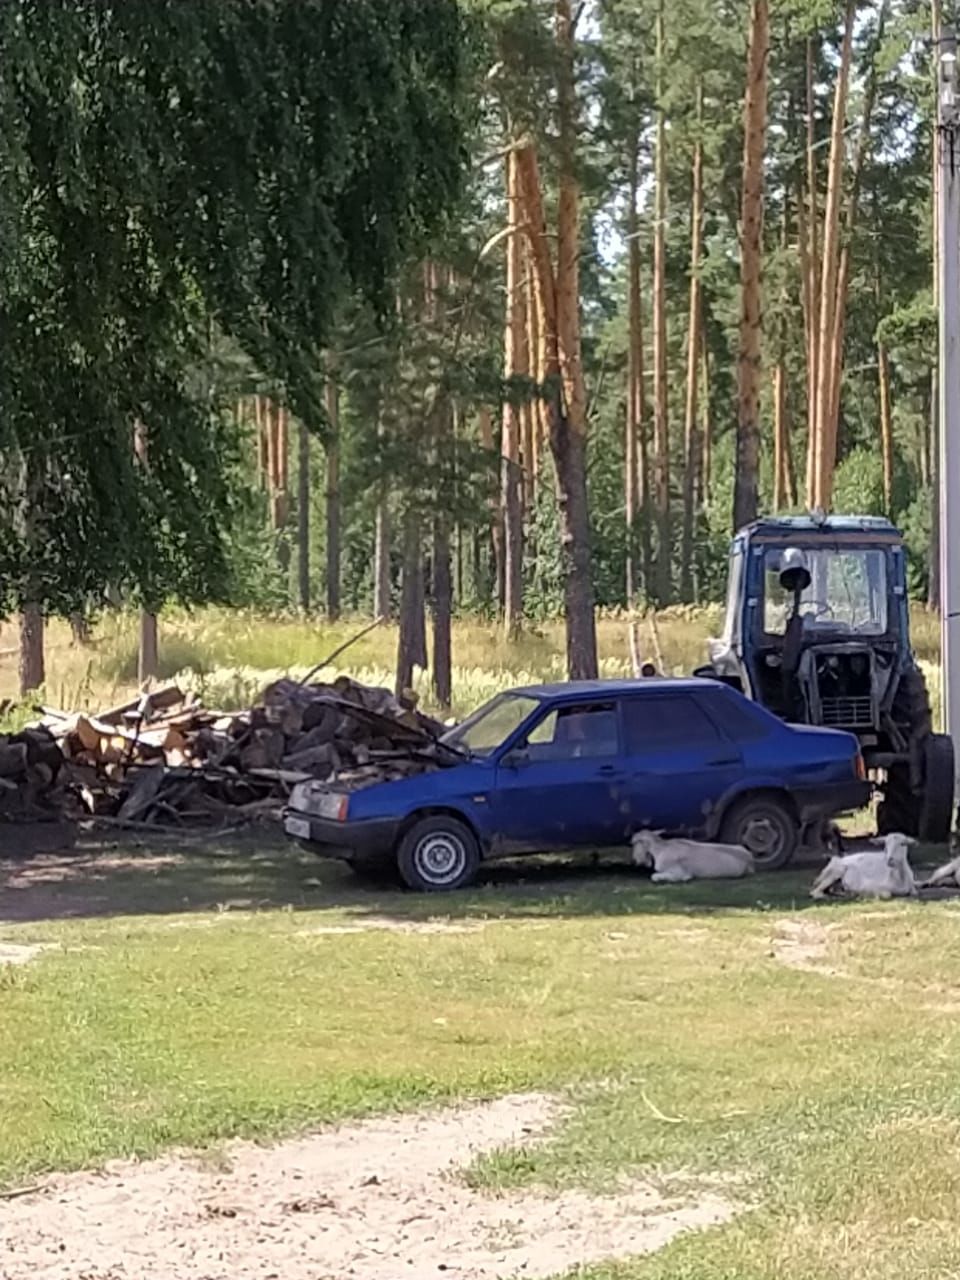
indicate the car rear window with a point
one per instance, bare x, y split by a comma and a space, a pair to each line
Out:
670, 720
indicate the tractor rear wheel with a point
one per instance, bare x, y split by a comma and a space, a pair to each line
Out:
939, 780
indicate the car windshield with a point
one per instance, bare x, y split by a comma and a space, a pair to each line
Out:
847, 592
490, 727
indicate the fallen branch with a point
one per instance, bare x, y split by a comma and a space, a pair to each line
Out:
347, 644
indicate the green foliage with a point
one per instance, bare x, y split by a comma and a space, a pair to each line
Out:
168, 168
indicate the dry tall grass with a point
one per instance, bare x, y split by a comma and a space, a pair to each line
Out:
230, 654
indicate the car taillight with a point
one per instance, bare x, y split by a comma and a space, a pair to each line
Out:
342, 808
859, 768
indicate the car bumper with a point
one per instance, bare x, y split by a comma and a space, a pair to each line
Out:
818, 803
344, 840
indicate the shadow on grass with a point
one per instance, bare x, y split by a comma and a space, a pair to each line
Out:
255, 872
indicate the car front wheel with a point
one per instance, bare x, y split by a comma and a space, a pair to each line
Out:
765, 827
438, 854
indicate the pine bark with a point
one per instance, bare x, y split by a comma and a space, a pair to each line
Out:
934, 585
853, 211
706, 429
636, 448
663, 579
148, 649
303, 516
559, 295
333, 501
812, 266
442, 612
886, 426
411, 641
32, 667
824, 437
511, 494
691, 442
746, 487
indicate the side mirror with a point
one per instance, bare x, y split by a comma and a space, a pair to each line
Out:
516, 759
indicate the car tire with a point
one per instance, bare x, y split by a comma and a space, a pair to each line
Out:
766, 827
438, 854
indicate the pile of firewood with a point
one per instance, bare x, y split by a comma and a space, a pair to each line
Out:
165, 759
30, 775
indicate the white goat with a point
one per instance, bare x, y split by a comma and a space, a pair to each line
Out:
676, 861
875, 873
945, 877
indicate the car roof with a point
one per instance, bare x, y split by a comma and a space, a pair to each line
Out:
574, 690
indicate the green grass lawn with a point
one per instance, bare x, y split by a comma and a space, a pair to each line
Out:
188, 999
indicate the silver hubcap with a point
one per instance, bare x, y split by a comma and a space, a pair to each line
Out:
761, 837
440, 858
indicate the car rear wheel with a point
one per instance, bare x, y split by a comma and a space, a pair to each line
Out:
765, 827
438, 854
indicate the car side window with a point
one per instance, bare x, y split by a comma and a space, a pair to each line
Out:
669, 721
583, 732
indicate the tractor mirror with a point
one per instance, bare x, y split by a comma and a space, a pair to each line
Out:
794, 574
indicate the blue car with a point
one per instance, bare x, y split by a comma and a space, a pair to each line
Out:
585, 765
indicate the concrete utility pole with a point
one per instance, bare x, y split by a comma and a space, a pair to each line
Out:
948, 130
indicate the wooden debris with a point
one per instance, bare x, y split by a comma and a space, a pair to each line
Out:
164, 761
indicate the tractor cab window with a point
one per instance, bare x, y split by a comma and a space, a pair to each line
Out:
847, 593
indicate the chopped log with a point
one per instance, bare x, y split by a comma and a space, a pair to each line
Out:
323, 758
142, 793
13, 759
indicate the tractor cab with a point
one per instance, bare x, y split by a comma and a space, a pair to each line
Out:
817, 629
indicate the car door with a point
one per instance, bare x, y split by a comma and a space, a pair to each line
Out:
562, 784
679, 762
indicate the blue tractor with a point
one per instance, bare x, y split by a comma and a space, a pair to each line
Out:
817, 629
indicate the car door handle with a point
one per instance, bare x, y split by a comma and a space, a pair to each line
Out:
608, 771
717, 761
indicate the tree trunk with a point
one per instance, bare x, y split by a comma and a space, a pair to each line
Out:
706, 430
631, 466
559, 298
333, 502
412, 636
533, 424
780, 438
663, 584
825, 443
80, 629
261, 422
32, 667
812, 265
933, 589
382, 586
148, 659
148, 664
511, 497
746, 487
281, 508
886, 427
303, 516
835, 368
691, 443
784, 493
442, 612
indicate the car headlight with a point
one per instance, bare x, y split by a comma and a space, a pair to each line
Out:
315, 798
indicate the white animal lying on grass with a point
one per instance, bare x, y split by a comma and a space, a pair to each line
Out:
875, 873
945, 877
680, 860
